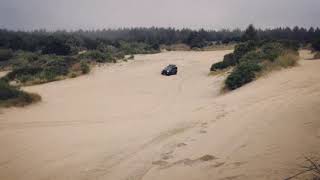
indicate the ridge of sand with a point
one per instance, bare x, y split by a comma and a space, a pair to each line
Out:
125, 121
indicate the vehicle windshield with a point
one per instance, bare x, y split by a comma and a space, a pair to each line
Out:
170, 67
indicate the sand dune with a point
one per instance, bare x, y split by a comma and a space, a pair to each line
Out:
125, 121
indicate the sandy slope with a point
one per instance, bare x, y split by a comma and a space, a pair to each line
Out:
126, 121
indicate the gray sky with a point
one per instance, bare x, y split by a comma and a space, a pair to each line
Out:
209, 14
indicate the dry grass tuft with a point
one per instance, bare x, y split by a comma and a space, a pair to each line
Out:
288, 59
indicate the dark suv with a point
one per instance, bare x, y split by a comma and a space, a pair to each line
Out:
170, 70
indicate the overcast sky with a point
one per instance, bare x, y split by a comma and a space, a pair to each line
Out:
208, 14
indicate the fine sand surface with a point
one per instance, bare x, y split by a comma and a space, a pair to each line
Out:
127, 122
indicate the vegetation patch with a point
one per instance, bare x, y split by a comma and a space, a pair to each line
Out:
56, 56
39, 69
219, 47
5, 54
263, 59
176, 47
242, 74
287, 59
12, 96
228, 61
98, 56
316, 44
254, 57
317, 55
85, 68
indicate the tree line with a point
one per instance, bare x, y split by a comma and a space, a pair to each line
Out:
67, 42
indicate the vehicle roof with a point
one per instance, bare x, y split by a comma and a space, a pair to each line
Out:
171, 65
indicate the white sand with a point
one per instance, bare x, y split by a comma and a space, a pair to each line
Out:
126, 121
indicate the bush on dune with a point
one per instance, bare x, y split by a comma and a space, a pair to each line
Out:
242, 74
12, 96
44, 69
23, 74
85, 69
258, 61
290, 44
233, 59
21, 59
316, 45
271, 51
243, 48
219, 66
56, 68
7, 91
253, 57
228, 61
97, 56
32, 68
316, 48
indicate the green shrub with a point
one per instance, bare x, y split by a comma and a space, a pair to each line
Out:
271, 51
107, 57
228, 61
85, 69
233, 59
22, 73
137, 48
218, 66
316, 44
242, 74
48, 68
243, 48
268, 51
12, 96
267, 55
290, 44
252, 56
97, 56
29, 56
5, 54
92, 55
48, 75
119, 55
7, 91
57, 66
23, 58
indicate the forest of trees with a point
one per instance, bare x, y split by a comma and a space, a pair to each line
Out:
64, 42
